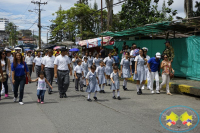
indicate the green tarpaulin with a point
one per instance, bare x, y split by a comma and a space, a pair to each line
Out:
187, 54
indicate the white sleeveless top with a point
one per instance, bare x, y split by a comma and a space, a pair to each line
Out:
41, 84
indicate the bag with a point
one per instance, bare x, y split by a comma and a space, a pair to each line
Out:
26, 74
4, 75
171, 75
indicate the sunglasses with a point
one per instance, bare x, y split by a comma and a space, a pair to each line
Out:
3, 54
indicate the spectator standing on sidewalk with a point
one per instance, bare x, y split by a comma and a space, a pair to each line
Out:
167, 69
169, 51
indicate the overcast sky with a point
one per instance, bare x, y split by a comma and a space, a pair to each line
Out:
17, 11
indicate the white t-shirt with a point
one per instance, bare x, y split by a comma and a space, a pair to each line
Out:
38, 61
48, 61
148, 58
132, 52
78, 69
41, 84
29, 60
62, 62
11, 59
4, 67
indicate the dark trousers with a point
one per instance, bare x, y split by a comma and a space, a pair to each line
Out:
30, 69
133, 66
78, 81
5, 84
63, 81
38, 69
19, 81
40, 94
49, 76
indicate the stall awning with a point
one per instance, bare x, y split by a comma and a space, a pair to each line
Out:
96, 42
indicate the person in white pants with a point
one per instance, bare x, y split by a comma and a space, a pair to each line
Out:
154, 68
147, 70
167, 68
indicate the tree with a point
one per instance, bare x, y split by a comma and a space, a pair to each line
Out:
197, 12
138, 13
95, 5
80, 20
163, 10
109, 4
188, 7
11, 30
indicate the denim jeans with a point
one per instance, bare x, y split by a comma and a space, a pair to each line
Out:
19, 81
5, 84
133, 66
40, 94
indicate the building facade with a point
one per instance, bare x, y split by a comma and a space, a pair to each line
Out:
3, 23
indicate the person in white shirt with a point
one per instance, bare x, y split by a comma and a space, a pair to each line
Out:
48, 67
74, 60
61, 71
79, 75
96, 60
11, 58
37, 64
29, 62
147, 70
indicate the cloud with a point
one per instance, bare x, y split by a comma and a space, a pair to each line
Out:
17, 11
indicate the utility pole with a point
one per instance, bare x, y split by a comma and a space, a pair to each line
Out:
47, 37
39, 19
33, 38
102, 22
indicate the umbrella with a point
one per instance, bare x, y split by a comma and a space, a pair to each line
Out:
57, 47
74, 50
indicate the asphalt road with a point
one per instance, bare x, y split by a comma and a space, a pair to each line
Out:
132, 114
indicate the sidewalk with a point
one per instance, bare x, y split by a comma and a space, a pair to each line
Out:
180, 85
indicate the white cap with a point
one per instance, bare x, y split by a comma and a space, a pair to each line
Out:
144, 48
158, 55
7, 50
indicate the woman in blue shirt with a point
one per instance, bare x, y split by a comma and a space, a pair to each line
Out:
18, 76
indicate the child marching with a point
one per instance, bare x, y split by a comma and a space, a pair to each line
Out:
96, 60
115, 82
79, 75
139, 76
109, 61
126, 69
101, 75
85, 69
92, 84
41, 89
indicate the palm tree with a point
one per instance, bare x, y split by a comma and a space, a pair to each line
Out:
188, 7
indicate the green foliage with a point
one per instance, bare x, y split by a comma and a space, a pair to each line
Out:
11, 29
141, 12
197, 12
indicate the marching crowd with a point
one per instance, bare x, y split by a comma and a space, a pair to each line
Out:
87, 71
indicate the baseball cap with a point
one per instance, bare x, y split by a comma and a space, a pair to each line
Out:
158, 55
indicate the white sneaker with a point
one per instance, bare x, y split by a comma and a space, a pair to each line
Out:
15, 99
142, 88
21, 103
152, 92
158, 92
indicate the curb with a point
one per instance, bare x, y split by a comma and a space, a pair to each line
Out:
176, 88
